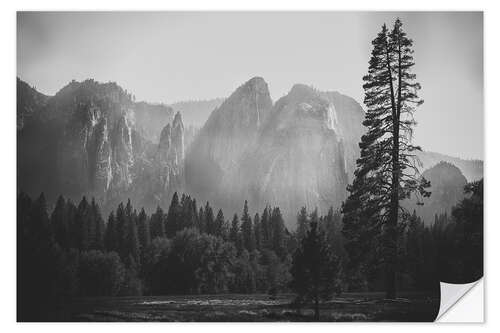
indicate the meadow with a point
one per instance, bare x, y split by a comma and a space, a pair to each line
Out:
250, 308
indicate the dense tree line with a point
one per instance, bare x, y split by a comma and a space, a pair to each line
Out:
188, 249
72, 251
460, 238
449, 250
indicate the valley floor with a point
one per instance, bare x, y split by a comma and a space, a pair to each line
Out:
237, 307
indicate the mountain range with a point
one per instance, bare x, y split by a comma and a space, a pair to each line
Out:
94, 139
447, 188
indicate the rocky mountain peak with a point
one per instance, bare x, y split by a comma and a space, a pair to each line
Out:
29, 102
304, 108
299, 158
447, 189
177, 120
213, 161
92, 138
287, 154
246, 109
256, 83
123, 153
302, 92
171, 144
445, 172
178, 137
165, 137
89, 138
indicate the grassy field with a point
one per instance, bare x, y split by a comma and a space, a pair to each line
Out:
235, 307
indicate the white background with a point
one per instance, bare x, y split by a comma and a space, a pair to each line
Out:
8, 158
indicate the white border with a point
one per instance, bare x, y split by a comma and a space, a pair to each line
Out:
8, 151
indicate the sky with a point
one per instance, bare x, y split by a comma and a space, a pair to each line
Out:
173, 56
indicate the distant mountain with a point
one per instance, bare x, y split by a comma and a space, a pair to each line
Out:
195, 113
149, 119
91, 139
288, 154
301, 150
214, 160
447, 189
299, 158
471, 169
29, 101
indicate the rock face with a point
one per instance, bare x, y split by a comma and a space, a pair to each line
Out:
89, 139
149, 119
300, 151
447, 189
299, 157
95, 152
122, 154
164, 146
349, 116
169, 159
92, 139
290, 154
29, 101
214, 159
103, 159
178, 139
471, 169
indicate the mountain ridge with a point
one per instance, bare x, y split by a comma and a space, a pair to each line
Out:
447, 190
93, 135
92, 139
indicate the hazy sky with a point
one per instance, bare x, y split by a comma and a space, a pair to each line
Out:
167, 57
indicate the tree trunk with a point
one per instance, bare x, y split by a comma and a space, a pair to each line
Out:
391, 244
391, 226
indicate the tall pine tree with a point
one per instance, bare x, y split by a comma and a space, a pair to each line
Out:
257, 231
59, 221
173, 217
265, 226
246, 229
99, 230
85, 227
110, 237
302, 223
157, 223
387, 170
278, 233
219, 224
132, 245
211, 228
143, 229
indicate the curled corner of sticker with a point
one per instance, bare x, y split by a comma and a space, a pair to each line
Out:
451, 295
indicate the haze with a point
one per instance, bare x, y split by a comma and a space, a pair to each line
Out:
168, 57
